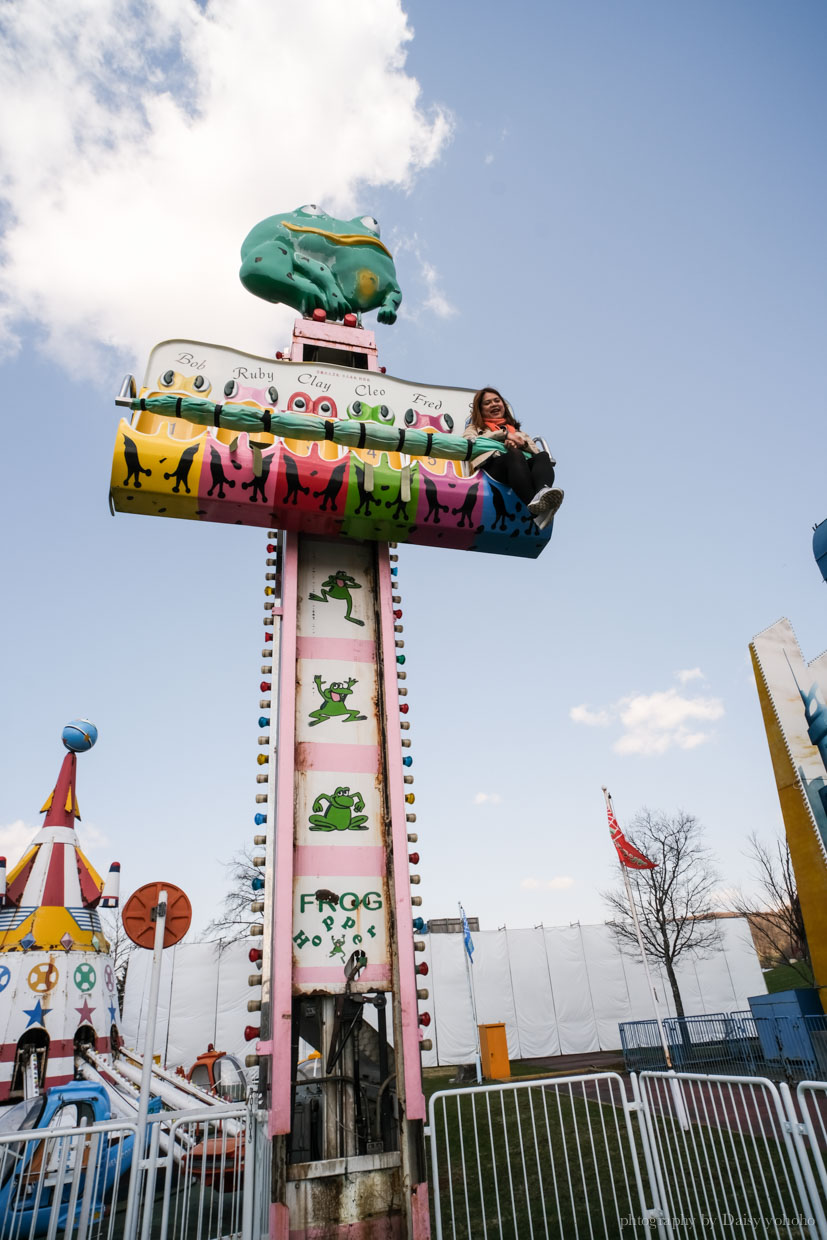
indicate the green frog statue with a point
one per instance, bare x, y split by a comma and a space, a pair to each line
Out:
312, 261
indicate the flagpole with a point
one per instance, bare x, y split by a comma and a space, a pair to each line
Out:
610, 811
471, 995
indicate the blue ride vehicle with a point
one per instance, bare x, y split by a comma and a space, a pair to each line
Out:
41, 1177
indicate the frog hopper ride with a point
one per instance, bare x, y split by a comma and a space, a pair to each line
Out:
340, 462
220, 435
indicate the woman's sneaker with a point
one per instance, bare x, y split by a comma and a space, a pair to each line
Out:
547, 499
546, 518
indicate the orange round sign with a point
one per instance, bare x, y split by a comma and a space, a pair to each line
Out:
139, 923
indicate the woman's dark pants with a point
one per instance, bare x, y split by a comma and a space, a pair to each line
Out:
524, 475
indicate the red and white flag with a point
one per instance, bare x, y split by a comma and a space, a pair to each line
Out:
627, 854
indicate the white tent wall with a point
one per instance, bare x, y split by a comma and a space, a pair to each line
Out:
492, 987
557, 990
449, 1004
607, 985
533, 997
576, 1024
203, 999
565, 990
136, 1000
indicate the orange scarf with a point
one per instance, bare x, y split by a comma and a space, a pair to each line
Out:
512, 435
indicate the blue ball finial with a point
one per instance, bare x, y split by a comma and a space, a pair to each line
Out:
79, 735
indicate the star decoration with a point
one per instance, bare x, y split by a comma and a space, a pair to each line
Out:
66, 942
85, 1012
37, 1015
113, 1013
28, 942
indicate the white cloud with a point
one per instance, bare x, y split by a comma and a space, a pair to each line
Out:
487, 798
91, 838
434, 299
561, 882
15, 839
656, 722
489, 159
592, 718
139, 143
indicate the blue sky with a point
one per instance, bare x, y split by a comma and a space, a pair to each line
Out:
615, 213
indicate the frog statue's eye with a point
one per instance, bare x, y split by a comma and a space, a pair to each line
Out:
273, 394
355, 410
231, 388
311, 209
448, 422
325, 407
385, 414
199, 383
371, 223
299, 404
410, 417
167, 378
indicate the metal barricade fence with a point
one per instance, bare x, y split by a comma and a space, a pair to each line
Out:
732, 1044
722, 1042
728, 1157
64, 1181
76, 1182
642, 1047
553, 1158
258, 1171
190, 1183
811, 1097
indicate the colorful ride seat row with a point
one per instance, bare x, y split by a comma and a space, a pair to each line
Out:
179, 470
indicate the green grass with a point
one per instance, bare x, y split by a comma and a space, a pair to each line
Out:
785, 977
546, 1152
576, 1175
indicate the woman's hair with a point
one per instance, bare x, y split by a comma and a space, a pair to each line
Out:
477, 418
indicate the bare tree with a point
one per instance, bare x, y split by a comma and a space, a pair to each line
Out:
236, 916
673, 901
774, 911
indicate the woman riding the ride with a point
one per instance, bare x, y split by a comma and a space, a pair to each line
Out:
524, 467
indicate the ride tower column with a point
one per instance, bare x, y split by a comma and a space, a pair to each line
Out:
339, 953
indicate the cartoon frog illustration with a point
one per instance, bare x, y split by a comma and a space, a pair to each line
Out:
313, 261
338, 947
338, 815
361, 412
334, 698
339, 585
358, 411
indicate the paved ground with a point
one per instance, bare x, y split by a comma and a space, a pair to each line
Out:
573, 1065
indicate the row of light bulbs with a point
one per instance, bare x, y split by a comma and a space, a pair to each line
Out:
272, 592
420, 926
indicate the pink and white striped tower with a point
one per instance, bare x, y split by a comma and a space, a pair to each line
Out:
57, 979
338, 958
336, 945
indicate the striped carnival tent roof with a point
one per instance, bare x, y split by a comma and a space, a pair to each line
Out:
54, 888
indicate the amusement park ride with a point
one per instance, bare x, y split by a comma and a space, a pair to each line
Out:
54, 955
340, 463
